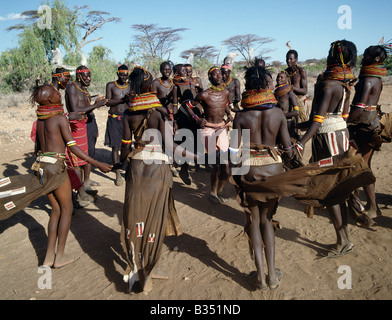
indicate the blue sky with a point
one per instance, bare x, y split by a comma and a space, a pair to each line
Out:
310, 26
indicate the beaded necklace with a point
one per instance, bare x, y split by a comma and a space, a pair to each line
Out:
171, 83
258, 98
228, 82
118, 86
219, 88
181, 81
374, 70
84, 91
45, 112
339, 73
281, 90
295, 68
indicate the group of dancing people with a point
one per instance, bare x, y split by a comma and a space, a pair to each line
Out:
147, 128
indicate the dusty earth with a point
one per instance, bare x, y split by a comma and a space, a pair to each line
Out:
209, 261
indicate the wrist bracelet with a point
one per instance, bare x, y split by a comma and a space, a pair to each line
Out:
288, 148
195, 116
300, 146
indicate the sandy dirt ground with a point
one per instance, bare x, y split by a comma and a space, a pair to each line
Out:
209, 261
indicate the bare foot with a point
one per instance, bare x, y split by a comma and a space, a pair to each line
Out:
217, 199
65, 260
159, 276
147, 285
49, 261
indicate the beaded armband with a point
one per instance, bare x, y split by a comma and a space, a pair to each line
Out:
126, 141
318, 118
189, 104
296, 108
71, 143
345, 115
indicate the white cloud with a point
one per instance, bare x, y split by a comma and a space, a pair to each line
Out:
13, 16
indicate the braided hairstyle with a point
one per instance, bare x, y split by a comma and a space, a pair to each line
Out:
138, 79
255, 78
343, 53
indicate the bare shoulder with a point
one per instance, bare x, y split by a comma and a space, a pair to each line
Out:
70, 88
302, 71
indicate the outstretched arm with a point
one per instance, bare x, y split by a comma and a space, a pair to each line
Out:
71, 144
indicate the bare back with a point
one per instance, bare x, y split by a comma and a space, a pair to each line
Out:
265, 126
52, 134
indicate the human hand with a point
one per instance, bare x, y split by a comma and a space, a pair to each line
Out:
101, 101
201, 122
104, 167
77, 116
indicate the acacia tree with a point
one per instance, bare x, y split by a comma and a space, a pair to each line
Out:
70, 30
71, 27
155, 43
248, 46
94, 20
201, 52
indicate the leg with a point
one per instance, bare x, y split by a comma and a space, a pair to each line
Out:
370, 190
184, 174
268, 236
116, 159
257, 245
64, 198
338, 215
214, 180
337, 221
87, 171
223, 176
52, 231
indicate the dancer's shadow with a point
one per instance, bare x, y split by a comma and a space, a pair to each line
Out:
292, 235
10, 170
101, 243
199, 249
36, 232
197, 198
